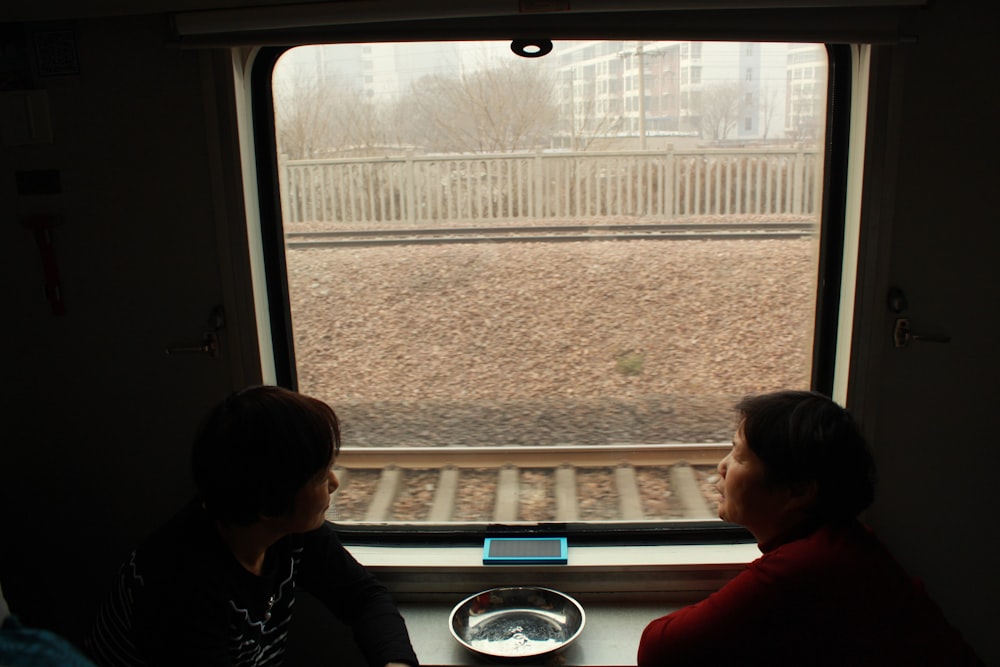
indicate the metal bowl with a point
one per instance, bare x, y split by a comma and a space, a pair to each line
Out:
517, 622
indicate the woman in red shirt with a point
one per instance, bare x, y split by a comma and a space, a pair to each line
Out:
825, 591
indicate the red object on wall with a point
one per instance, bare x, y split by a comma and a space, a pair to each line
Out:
42, 226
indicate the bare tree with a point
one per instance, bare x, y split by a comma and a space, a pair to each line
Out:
507, 107
304, 126
323, 118
720, 109
812, 115
586, 123
768, 105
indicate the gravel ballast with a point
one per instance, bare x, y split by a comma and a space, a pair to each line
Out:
645, 341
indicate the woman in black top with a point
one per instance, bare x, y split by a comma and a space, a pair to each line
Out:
216, 584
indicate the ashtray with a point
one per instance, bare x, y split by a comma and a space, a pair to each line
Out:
517, 622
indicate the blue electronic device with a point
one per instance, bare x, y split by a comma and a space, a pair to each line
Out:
525, 551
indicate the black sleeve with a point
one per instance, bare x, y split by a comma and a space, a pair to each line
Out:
159, 623
356, 597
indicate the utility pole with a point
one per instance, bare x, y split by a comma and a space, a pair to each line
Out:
640, 63
572, 109
642, 96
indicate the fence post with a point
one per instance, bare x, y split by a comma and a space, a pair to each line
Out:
411, 189
539, 181
799, 202
283, 194
669, 169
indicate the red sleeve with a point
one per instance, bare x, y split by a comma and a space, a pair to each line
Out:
714, 631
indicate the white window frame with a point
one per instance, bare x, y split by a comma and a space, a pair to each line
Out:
659, 568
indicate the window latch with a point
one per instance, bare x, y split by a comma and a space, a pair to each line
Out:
210, 339
902, 334
209, 345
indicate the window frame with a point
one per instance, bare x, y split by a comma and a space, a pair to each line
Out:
832, 227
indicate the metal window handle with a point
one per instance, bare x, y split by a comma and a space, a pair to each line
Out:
209, 339
902, 335
209, 345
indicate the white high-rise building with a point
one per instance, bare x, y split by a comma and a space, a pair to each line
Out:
379, 72
733, 90
720, 91
806, 91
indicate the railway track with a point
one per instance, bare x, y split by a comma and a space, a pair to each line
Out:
536, 484
549, 234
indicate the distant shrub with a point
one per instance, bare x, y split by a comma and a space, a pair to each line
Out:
629, 362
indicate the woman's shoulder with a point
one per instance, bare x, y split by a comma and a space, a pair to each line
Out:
830, 548
321, 540
185, 547
321, 548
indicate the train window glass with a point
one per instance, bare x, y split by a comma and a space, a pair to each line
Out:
534, 288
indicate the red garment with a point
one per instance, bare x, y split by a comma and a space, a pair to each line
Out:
832, 597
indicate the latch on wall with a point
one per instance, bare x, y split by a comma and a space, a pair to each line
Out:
902, 334
209, 340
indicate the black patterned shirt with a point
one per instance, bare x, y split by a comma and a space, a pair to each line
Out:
182, 598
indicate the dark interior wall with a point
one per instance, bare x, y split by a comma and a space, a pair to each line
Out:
96, 418
96, 421
931, 407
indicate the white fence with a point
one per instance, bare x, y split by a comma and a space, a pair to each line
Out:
419, 190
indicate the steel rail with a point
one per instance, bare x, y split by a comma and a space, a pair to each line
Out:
371, 238
547, 229
432, 458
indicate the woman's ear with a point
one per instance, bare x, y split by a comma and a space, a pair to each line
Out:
265, 519
803, 495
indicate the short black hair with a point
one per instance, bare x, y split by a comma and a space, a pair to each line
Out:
804, 437
258, 448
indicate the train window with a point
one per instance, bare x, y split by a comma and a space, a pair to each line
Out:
533, 288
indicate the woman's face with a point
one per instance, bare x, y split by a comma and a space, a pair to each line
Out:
312, 501
745, 497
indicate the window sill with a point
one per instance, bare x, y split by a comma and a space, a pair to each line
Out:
689, 569
622, 588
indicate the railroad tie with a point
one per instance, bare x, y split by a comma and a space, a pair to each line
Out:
685, 486
629, 504
508, 494
444, 496
567, 508
385, 494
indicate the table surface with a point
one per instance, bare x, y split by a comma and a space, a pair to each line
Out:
610, 636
